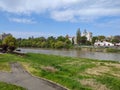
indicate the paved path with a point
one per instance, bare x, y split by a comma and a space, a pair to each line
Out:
21, 77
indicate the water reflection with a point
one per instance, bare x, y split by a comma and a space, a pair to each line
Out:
76, 53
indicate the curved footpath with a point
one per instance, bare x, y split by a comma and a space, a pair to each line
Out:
19, 76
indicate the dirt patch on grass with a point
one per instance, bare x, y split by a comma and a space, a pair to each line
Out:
98, 70
116, 74
116, 65
73, 63
49, 69
93, 84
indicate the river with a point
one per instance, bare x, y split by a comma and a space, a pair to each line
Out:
76, 53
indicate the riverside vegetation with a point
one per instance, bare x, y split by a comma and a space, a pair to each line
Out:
73, 73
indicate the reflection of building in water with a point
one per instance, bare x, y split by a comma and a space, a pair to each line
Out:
2, 36
88, 35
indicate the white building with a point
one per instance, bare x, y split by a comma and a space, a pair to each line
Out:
73, 39
117, 44
88, 35
104, 43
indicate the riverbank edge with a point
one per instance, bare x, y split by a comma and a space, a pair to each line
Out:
84, 48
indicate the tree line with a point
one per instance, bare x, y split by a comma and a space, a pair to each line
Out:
42, 42
10, 43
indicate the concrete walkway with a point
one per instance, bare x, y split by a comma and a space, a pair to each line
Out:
21, 77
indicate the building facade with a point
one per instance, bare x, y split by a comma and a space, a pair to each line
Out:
88, 35
103, 43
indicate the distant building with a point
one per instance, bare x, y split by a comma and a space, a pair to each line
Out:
104, 43
73, 39
2, 36
88, 35
117, 44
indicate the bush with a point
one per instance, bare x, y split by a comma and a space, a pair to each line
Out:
9, 44
59, 44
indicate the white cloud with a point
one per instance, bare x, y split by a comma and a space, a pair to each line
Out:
64, 10
22, 20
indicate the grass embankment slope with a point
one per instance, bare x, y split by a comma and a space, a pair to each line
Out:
73, 73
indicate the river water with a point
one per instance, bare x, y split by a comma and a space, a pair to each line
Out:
76, 53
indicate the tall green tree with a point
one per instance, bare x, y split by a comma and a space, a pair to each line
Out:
83, 40
78, 35
94, 39
9, 43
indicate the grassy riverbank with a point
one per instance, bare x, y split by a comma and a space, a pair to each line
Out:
73, 73
113, 50
99, 49
5, 86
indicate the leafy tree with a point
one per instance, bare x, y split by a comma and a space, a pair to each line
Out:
61, 38
83, 40
67, 36
117, 37
50, 41
9, 43
59, 44
41, 39
78, 34
51, 38
67, 44
52, 45
115, 41
94, 39
43, 44
101, 38
88, 43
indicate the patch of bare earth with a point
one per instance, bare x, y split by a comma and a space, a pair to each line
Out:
49, 69
116, 74
93, 84
72, 63
98, 70
113, 65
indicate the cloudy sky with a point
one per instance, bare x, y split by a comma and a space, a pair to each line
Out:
25, 18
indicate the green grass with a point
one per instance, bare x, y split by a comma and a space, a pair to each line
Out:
113, 50
112, 82
5, 86
69, 72
4, 66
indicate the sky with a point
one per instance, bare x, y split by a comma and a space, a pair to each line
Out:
26, 18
